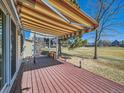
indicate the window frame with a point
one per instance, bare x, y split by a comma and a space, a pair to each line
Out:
6, 48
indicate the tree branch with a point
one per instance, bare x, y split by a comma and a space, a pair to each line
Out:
107, 9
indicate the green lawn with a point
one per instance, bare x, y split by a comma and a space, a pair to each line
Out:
110, 63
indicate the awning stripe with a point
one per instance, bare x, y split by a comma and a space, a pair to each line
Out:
33, 24
47, 18
72, 12
35, 21
24, 23
38, 29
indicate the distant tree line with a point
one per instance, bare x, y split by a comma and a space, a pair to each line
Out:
108, 43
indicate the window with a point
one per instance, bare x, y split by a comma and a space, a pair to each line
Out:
22, 43
2, 50
13, 49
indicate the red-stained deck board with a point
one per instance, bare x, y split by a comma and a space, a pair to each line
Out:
59, 82
50, 76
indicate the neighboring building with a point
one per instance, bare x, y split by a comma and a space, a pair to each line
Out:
115, 43
122, 43
40, 43
102, 43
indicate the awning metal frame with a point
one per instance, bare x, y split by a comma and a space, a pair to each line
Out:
65, 24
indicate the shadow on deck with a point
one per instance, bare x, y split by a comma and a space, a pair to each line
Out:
50, 76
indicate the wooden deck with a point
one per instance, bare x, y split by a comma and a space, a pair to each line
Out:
49, 76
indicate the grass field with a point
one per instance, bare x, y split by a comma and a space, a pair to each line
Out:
110, 62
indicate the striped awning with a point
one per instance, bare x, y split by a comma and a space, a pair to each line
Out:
55, 17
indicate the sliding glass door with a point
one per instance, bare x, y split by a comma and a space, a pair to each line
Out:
2, 49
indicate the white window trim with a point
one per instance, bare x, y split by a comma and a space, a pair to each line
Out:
9, 82
2, 7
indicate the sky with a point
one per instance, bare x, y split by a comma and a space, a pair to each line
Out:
27, 34
109, 35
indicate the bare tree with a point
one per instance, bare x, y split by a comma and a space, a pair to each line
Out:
106, 16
